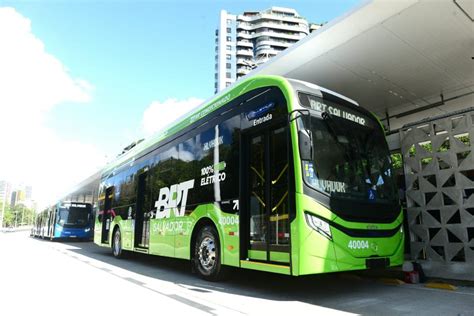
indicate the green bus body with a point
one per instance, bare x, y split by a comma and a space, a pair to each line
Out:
235, 164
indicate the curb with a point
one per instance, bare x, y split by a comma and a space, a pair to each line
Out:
441, 286
391, 281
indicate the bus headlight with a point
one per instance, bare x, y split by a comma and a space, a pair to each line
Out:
87, 230
319, 225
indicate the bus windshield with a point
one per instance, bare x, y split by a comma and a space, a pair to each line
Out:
73, 216
351, 157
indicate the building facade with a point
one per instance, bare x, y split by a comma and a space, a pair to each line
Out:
439, 178
23, 194
244, 41
5, 191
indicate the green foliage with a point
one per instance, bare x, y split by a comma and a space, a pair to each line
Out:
397, 162
18, 216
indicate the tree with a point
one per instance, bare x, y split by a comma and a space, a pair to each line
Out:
7, 216
18, 216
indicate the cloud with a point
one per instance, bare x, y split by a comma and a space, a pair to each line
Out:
32, 82
158, 115
30, 77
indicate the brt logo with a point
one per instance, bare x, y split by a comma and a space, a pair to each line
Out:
173, 197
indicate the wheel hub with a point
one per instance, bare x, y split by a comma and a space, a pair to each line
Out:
207, 253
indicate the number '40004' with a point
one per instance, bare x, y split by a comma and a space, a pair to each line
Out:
358, 244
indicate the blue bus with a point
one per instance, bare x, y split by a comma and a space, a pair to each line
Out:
66, 220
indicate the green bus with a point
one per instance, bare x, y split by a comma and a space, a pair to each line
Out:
276, 175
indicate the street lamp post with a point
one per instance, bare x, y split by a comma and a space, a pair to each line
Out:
3, 212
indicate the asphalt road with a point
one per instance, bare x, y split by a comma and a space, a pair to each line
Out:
75, 278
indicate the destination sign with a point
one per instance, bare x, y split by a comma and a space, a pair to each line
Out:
321, 105
74, 205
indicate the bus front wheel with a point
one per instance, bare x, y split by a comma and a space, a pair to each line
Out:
207, 255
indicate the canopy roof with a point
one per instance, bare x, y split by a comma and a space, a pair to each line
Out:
389, 56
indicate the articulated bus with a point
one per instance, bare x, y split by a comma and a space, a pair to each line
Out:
276, 175
68, 220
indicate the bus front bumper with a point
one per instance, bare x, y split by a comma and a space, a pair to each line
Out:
319, 254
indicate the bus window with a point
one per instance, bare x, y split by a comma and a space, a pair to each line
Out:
229, 158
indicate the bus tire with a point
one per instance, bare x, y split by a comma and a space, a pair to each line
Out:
117, 250
207, 255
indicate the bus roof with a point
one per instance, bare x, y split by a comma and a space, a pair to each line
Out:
206, 108
198, 113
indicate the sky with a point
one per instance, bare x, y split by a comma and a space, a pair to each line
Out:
80, 80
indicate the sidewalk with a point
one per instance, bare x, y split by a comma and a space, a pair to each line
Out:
15, 229
396, 273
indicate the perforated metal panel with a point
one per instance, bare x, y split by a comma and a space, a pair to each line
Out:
439, 172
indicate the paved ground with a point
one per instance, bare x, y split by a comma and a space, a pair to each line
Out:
50, 278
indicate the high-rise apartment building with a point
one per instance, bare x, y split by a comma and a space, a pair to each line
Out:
28, 192
13, 199
22, 194
247, 40
5, 191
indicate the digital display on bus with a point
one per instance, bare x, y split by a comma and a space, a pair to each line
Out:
341, 111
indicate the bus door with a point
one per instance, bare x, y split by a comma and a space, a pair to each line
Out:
107, 214
52, 222
265, 196
142, 219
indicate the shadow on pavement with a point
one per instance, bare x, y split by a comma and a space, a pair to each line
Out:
327, 290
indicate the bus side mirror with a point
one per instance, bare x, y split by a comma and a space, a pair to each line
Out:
305, 144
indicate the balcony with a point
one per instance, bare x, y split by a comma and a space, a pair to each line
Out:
267, 51
273, 34
245, 35
243, 71
245, 52
274, 25
274, 42
244, 61
273, 17
245, 43
283, 26
244, 26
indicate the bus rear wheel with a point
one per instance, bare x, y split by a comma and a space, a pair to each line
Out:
207, 255
117, 250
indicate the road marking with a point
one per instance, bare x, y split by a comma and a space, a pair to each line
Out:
180, 298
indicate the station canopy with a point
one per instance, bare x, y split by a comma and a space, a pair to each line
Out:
389, 56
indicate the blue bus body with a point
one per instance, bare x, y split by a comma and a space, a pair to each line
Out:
66, 220
79, 233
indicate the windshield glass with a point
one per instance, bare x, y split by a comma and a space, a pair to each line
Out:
74, 216
351, 158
